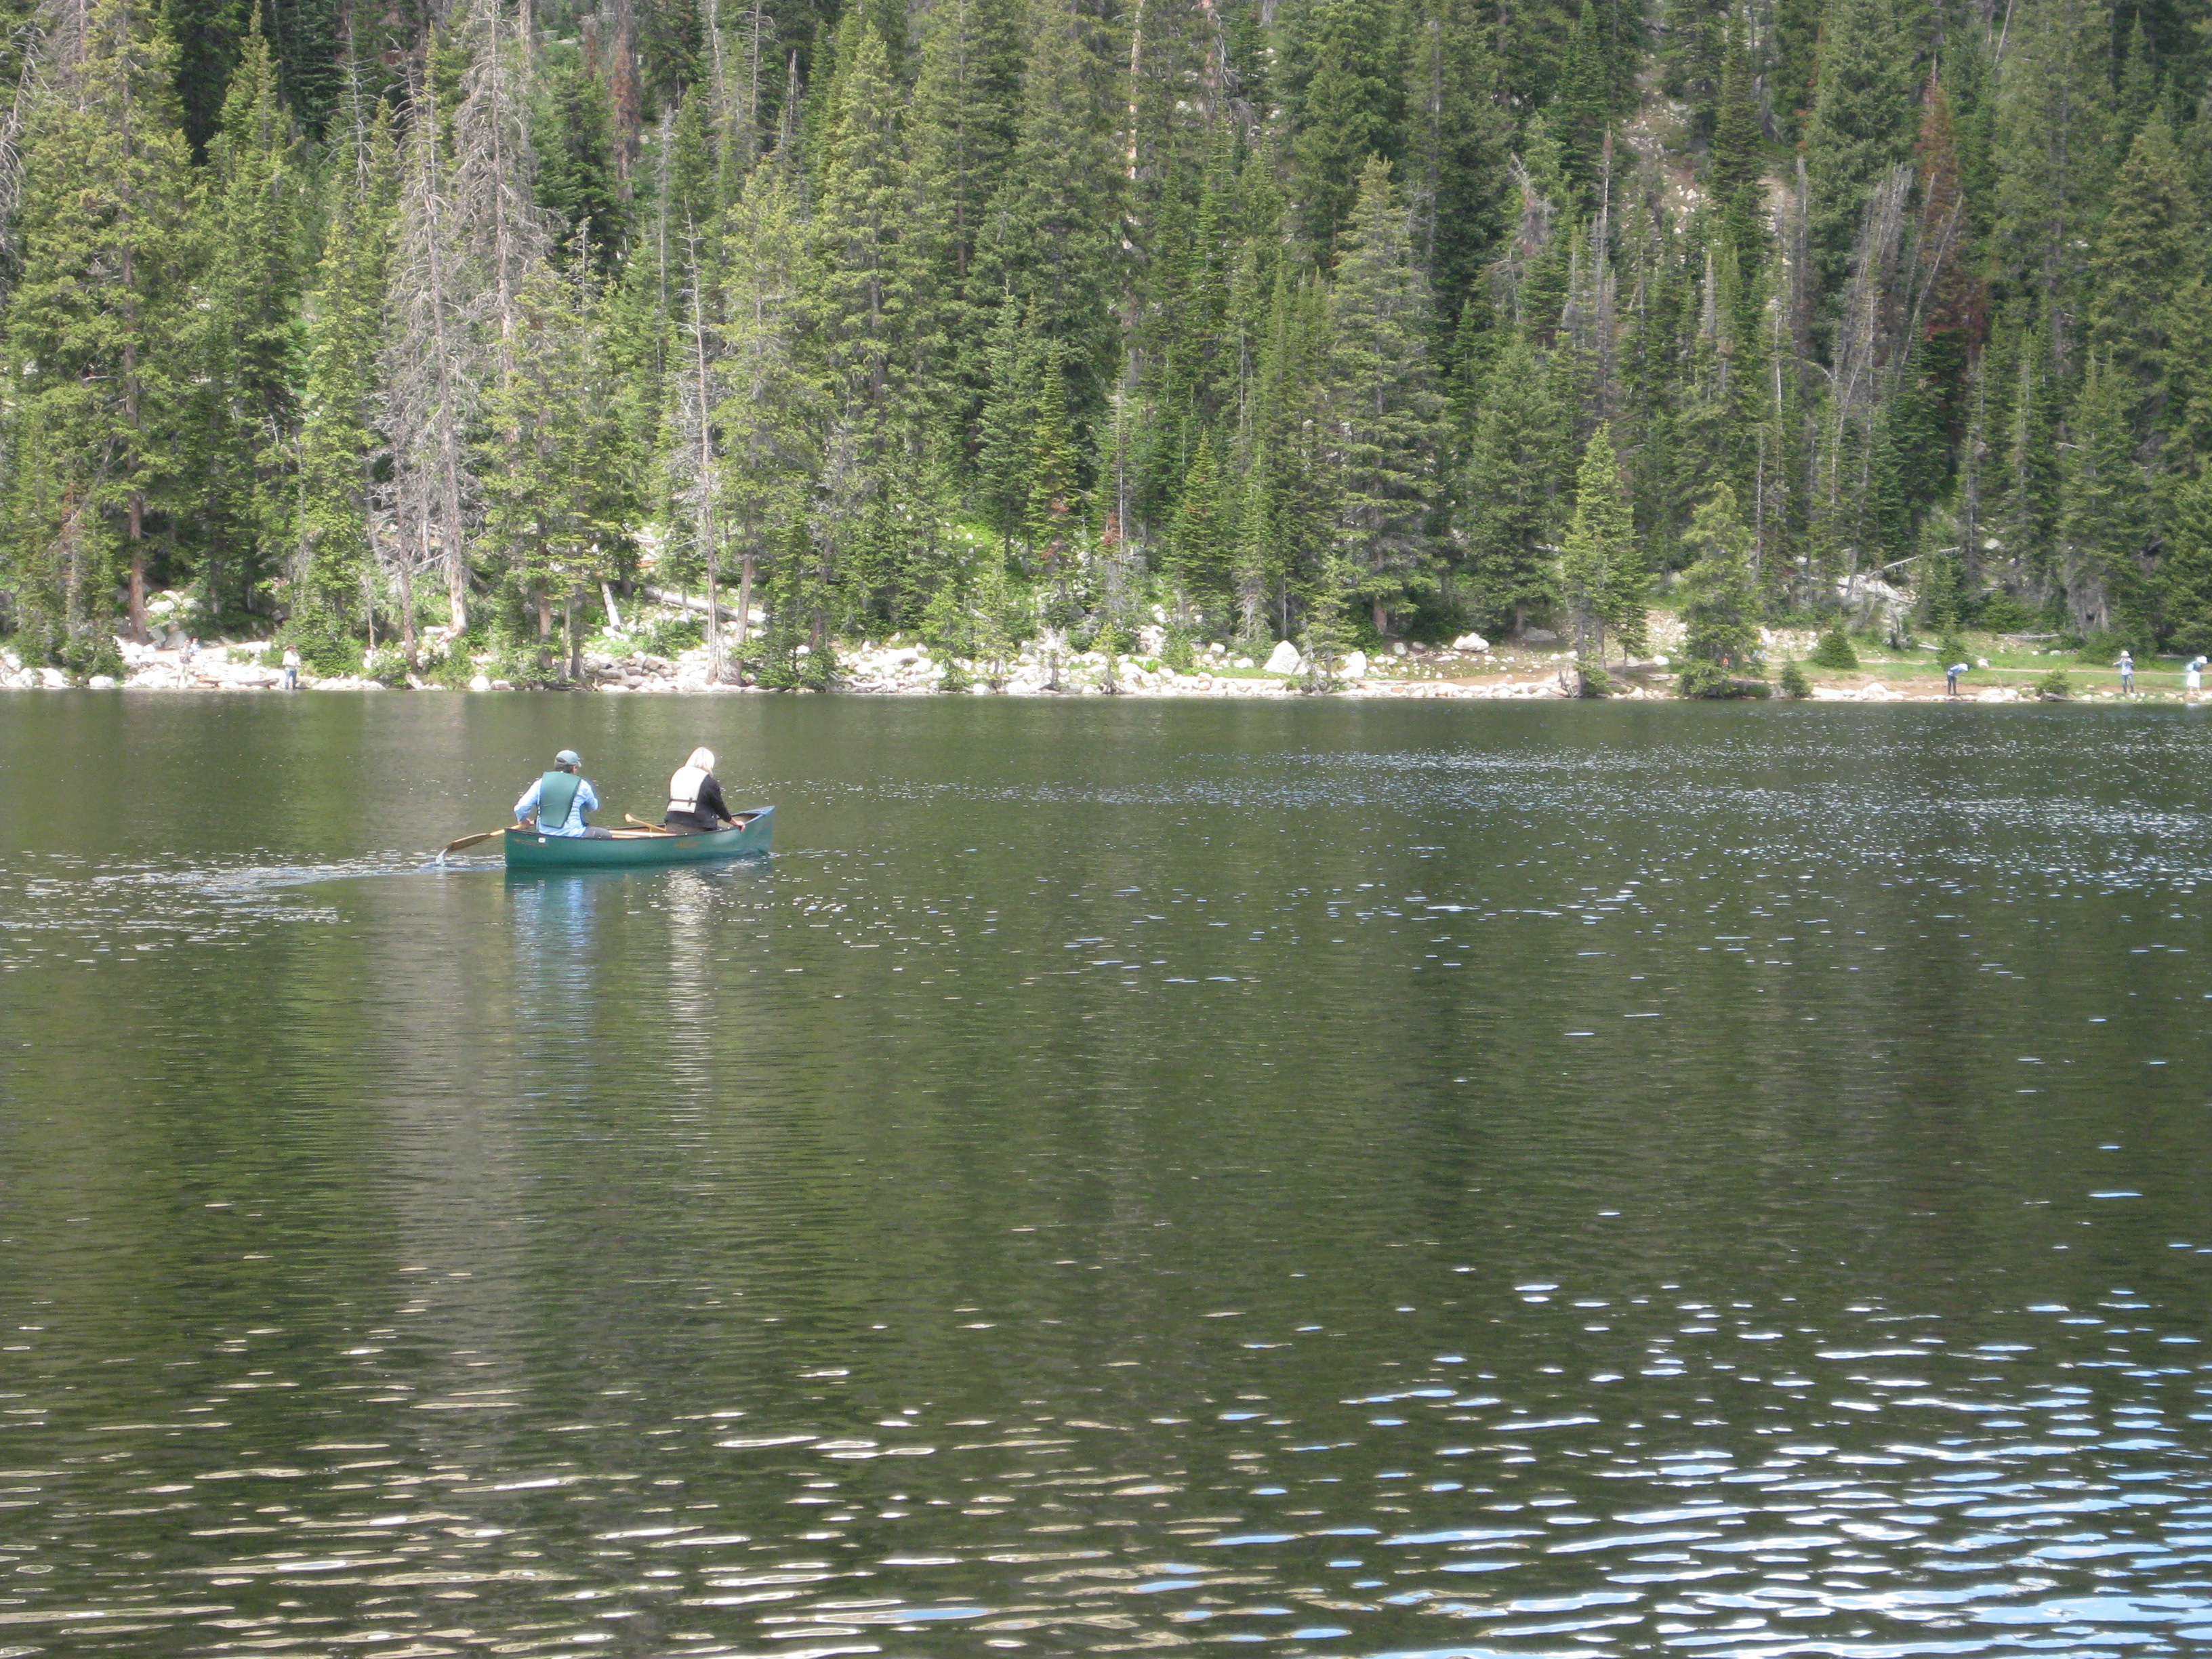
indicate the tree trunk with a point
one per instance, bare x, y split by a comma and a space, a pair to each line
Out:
745, 604
713, 615
138, 568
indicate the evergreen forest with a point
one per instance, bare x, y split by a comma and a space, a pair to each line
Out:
459, 325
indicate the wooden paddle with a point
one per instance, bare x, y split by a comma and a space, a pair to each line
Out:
659, 828
470, 841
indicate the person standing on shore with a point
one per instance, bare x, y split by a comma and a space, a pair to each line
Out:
291, 668
559, 800
1951, 678
2193, 678
2127, 668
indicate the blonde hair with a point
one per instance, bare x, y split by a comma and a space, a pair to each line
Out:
702, 758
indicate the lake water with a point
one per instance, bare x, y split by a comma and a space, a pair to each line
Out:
1356, 1179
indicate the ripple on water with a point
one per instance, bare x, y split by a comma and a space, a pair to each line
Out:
1202, 1234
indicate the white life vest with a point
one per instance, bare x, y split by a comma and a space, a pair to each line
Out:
683, 788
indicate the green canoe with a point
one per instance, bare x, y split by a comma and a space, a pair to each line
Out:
638, 849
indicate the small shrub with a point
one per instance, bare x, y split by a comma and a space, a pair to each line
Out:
799, 669
1176, 651
1707, 679
1702, 679
96, 654
667, 634
387, 665
1834, 650
1950, 649
1792, 681
327, 650
2000, 613
1595, 681
2055, 686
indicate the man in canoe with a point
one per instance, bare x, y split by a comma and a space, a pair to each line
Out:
559, 800
695, 799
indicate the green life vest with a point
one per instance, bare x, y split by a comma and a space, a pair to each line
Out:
556, 793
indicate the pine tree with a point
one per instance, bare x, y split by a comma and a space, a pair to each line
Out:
1384, 424
1013, 357
967, 105
861, 291
1344, 107
99, 355
1581, 114
2105, 522
2053, 128
2025, 511
2150, 244
1456, 140
1055, 508
1692, 50
1259, 571
2185, 575
556, 476
577, 179
1796, 52
1199, 546
767, 416
1512, 482
208, 35
245, 414
1719, 600
1738, 159
334, 568
1953, 311
1601, 566
1863, 121
1051, 236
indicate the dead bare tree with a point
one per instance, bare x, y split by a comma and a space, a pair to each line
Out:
692, 460
429, 362
503, 229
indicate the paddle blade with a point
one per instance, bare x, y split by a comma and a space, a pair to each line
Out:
470, 841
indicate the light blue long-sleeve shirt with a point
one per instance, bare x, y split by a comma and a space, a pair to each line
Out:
588, 801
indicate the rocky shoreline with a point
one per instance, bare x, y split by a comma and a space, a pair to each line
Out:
1468, 668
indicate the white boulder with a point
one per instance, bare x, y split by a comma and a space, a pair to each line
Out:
1285, 659
1470, 642
1354, 666
481, 683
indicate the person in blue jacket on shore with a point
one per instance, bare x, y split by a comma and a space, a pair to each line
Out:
559, 800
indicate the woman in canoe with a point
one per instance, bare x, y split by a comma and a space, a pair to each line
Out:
695, 799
